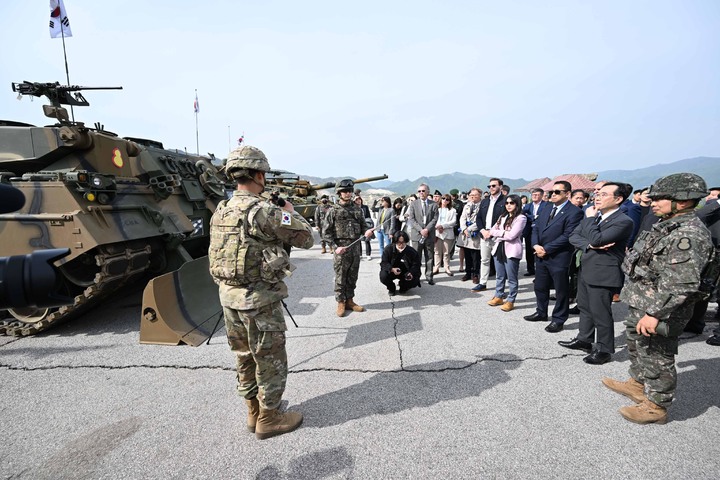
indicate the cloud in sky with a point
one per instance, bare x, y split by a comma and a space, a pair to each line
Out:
514, 89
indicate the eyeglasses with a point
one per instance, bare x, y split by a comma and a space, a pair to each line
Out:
509, 203
557, 192
422, 191
493, 186
605, 194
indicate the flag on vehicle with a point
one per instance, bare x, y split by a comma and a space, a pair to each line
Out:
59, 23
196, 105
240, 140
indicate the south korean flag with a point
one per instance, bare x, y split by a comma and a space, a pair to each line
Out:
59, 23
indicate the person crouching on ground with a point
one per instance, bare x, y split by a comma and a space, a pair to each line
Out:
400, 262
507, 251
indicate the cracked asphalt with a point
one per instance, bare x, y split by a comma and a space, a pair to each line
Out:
433, 383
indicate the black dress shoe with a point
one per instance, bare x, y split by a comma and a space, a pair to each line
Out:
528, 274
431, 281
574, 310
465, 277
576, 344
597, 358
535, 317
714, 341
554, 327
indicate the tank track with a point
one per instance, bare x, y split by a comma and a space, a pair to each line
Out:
118, 264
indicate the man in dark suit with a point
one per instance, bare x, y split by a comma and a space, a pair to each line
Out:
602, 240
532, 211
490, 210
553, 252
422, 217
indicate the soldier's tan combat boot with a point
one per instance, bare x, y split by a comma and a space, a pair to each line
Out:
631, 388
272, 422
324, 250
350, 305
644, 413
253, 412
340, 309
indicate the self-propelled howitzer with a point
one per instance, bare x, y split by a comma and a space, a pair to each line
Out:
300, 192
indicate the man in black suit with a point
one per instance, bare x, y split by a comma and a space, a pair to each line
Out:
553, 252
422, 218
532, 211
490, 210
602, 240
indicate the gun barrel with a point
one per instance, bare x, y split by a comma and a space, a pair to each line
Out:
370, 179
321, 186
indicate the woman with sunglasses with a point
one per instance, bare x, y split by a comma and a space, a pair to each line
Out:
445, 233
507, 252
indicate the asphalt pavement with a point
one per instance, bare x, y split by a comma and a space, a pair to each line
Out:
430, 384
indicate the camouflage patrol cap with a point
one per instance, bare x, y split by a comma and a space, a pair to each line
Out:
344, 185
247, 158
678, 186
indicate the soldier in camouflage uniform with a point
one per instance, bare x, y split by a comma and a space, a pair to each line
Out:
248, 262
344, 224
320, 214
666, 273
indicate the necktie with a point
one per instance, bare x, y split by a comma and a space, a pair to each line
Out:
598, 219
424, 204
554, 211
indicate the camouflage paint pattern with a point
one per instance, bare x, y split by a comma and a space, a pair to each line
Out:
664, 271
345, 223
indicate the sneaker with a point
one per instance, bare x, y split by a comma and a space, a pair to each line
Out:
369, 257
478, 288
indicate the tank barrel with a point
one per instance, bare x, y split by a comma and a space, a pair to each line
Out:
370, 179
321, 186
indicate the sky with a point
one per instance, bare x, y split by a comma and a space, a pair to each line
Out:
516, 89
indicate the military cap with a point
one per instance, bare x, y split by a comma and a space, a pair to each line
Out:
247, 158
678, 186
454, 191
437, 192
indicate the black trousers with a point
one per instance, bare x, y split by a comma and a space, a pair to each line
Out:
595, 304
472, 262
547, 275
529, 254
388, 278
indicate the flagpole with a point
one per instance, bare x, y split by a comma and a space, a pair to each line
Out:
67, 72
229, 146
197, 136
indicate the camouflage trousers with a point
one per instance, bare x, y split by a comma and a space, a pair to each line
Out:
346, 268
652, 360
261, 356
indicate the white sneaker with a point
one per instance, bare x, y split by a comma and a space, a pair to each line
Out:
369, 257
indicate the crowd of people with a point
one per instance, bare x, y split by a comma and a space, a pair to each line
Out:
582, 247
585, 249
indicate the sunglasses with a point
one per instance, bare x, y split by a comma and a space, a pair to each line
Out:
422, 191
557, 192
493, 186
509, 203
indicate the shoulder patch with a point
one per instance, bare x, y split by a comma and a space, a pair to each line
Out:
286, 219
684, 244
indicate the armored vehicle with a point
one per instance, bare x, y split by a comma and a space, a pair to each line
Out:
301, 193
127, 208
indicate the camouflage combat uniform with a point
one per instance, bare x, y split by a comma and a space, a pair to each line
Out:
664, 271
344, 224
248, 262
320, 213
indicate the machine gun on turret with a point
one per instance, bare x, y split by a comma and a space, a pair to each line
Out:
58, 95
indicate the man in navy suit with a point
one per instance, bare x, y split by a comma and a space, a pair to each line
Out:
602, 240
422, 218
532, 211
553, 252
